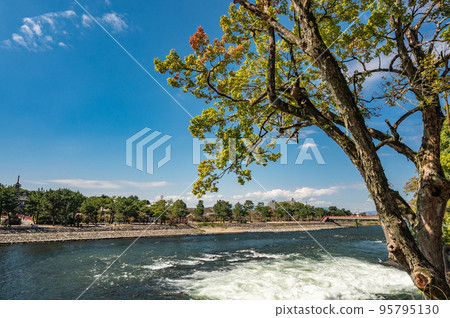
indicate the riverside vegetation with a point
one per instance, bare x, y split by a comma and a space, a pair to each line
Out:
71, 208
75, 217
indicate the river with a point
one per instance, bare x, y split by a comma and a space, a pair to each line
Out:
288, 265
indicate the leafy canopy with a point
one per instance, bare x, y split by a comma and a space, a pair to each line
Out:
231, 73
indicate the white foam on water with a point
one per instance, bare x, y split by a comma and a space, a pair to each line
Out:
163, 263
256, 254
189, 262
298, 278
160, 264
208, 257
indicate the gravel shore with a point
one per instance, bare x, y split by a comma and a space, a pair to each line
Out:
64, 234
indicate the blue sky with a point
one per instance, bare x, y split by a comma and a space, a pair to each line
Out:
70, 98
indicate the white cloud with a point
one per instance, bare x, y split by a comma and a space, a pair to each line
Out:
107, 2
319, 202
308, 145
19, 40
111, 20
144, 185
279, 194
115, 21
86, 21
46, 31
306, 132
7, 43
301, 194
106, 184
37, 182
26, 31
87, 184
34, 26
36, 33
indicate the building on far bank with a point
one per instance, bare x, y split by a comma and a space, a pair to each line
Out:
272, 204
190, 217
22, 196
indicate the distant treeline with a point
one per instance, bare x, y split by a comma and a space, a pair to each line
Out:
67, 207
298, 211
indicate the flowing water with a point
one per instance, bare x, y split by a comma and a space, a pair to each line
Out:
288, 265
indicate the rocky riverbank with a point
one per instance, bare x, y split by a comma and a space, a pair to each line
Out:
43, 234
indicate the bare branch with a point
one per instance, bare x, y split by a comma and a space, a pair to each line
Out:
394, 143
272, 22
425, 15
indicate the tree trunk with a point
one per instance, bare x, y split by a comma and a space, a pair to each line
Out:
400, 242
432, 197
430, 212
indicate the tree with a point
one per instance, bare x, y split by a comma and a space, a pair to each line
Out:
282, 211
52, 206
60, 205
159, 210
178, 209
264, 211
145, 211
200, 209
259, 206
268, 78
222, 210
320, 212
112, 209
71, 203
239, 212
105, 208
412, 185
90, 208
248, 205
34, 205
8, 202
126, 208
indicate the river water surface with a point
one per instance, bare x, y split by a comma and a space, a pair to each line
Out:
288, 265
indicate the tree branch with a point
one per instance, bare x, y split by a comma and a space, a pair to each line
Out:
208, 80
272, 22
393, 128
394, 143
425, 15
